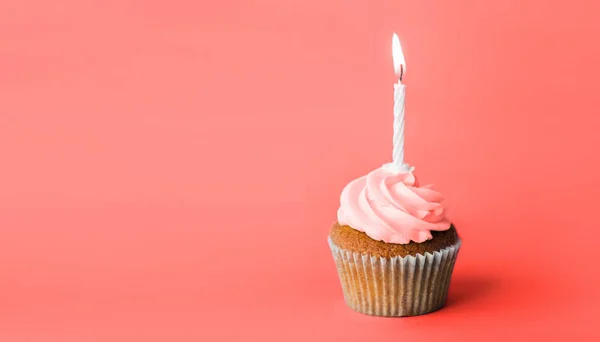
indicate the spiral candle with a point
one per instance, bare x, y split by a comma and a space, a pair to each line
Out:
399, 92
398, 152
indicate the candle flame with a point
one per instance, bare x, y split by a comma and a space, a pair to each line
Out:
398, 56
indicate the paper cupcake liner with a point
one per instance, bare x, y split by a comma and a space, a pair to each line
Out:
397, 286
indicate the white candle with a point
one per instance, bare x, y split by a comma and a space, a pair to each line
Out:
398, 151
399, 92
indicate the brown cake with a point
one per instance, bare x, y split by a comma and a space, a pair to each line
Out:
393, 246
355, 241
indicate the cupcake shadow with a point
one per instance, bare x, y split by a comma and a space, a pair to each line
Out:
466, 289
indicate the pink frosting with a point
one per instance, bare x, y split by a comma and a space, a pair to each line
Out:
392, 207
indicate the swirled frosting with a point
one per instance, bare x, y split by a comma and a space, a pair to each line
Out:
392, 207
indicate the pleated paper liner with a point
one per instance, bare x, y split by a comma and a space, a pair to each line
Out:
398, 286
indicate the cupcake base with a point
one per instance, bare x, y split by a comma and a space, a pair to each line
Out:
395, 286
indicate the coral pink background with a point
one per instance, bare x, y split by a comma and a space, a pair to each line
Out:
170, 169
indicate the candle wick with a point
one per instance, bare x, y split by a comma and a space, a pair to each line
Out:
401, 72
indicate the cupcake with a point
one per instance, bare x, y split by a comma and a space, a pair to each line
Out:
393, 246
